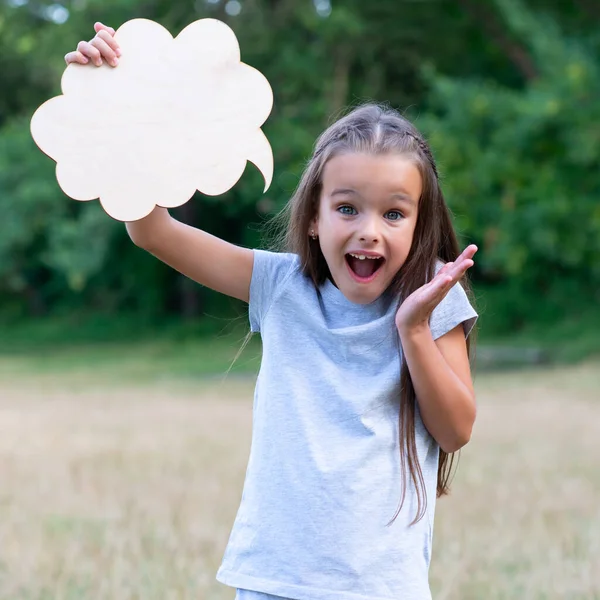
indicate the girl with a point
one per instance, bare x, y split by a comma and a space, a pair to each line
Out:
364, 390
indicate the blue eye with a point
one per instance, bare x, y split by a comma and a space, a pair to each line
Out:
347, 210
393, 215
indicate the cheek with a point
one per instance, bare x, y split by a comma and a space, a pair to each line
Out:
331, 237
327, 223
336, 232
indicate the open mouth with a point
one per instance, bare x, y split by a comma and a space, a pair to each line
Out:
364, 268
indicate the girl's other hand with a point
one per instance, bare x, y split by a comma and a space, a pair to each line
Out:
102, 47
415, 311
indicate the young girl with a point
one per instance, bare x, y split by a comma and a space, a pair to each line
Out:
364, 390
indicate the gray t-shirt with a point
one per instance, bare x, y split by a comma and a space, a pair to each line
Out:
324, 476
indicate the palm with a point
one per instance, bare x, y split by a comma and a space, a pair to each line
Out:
417, 308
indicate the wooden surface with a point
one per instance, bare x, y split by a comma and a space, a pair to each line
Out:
177, 115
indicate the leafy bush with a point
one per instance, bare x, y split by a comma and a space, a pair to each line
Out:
521, 173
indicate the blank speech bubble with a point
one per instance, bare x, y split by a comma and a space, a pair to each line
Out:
177, 115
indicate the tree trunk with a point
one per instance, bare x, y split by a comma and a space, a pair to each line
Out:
491, 24
589, 8
341, 79
190, 293
36, 307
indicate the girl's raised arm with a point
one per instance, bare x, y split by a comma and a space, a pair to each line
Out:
200, 256
207, 259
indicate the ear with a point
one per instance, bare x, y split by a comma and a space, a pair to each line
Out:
313, 228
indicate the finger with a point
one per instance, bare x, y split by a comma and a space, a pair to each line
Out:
455, 265
107, 53
91, 52
76, 57
446, 267
439, 290
442, 282
101, 27
467, 253
433, 291
110, 40
461, 268
458, 267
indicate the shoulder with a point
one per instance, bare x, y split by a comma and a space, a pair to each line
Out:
271, 273
277, 260
273, 267
454, 309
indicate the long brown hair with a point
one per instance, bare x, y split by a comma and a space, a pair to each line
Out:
376, 129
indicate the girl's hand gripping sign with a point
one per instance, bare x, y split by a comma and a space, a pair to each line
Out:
177, 115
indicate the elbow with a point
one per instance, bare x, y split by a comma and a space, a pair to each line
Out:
460, 434
458, 438
455, 443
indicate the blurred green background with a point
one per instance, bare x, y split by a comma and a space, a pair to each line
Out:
123, 447
506, 91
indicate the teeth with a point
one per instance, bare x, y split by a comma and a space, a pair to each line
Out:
363, 256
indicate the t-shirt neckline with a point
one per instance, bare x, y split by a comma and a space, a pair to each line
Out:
334, 298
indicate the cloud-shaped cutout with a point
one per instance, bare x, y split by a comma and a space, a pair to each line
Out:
177, 115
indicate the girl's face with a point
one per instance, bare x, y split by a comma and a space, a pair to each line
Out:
366, 220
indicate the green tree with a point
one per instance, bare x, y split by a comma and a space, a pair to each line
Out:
521, 173
506, 98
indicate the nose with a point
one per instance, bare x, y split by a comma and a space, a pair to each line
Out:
369, 233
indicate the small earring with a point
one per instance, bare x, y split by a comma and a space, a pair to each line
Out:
313, 235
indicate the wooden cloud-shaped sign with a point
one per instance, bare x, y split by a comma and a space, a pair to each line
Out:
177, 115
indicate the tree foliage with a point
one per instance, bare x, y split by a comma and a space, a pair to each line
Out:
507, 99
521, 172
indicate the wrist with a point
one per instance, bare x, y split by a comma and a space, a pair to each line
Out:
413, 332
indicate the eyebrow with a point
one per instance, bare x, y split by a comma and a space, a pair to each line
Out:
403, 196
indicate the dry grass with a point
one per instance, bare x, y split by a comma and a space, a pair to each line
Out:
129, 492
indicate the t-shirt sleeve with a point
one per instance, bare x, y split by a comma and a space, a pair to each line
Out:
454, 309
269, 273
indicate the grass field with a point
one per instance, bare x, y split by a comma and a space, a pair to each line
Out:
114, 489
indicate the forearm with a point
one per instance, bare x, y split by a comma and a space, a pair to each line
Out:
203, 257
446, 404
145, 230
